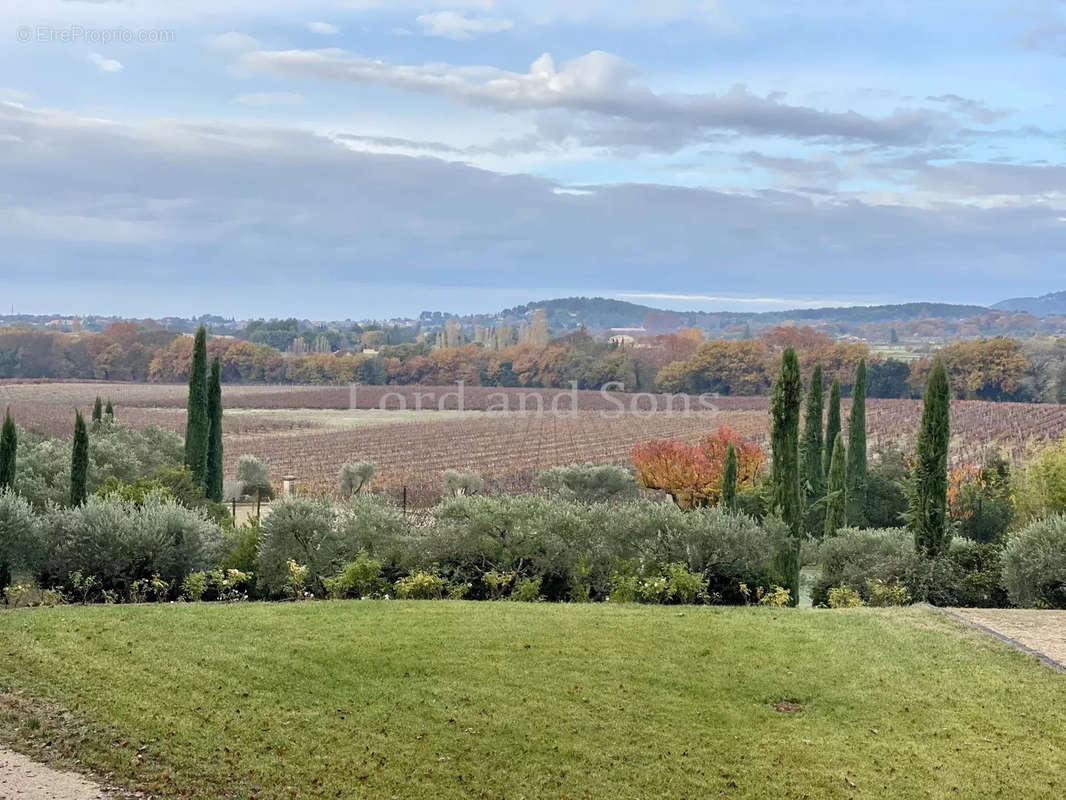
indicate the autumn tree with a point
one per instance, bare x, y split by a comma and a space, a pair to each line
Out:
784, 441
692, 474
857, 457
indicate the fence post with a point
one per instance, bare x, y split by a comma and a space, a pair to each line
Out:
405, 501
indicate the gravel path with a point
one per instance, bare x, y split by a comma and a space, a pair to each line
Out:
22, 778
1041, 631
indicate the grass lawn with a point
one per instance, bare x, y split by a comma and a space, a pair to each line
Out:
452, 699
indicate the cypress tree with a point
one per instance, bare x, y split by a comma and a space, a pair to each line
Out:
109, 411
927, 515
8, 450
832, 425
813, 479
857, 467
213, 477
197, 424
836, 496
784, 439
729, 479
98, 411
79, 461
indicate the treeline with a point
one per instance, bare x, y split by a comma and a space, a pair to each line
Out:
980, 369
997, 368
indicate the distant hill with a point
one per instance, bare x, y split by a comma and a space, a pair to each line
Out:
599, 313
1053, 303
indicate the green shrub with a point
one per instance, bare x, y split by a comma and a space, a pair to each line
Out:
498, 583
354, 477
843, 597
883, 595
1034, 564
120, 542
624, 588
685, 586
589, 483
457, 483
359, 578
19, 535
853, 557
302, 531
295, 580
776, 597
527, 590
420, 586
194, 586
653, 589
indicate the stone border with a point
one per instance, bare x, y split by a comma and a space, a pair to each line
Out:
1043, 657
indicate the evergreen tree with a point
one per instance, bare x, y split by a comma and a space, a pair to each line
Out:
836, 495
729, 478
79, 462
197, 425
8, 451
784, 439
832, 425
813, 479
213, 476
109, 411
927, 515
98, 411
857, 466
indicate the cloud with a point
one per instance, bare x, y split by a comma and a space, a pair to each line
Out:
105, 64
612, 107
233, 42
294, 209
323, 28
270, 99
453, 25
976, 110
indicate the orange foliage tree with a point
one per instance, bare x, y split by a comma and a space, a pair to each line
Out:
692, 474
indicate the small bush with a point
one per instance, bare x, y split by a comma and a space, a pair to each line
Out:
685, 586
624, 588
359, 578
1034, 564
844, 597
653, 589
590, 483
459, 483
194, 586
498, 583
420, 586
776, 597
882, 595
354, 477
527, 590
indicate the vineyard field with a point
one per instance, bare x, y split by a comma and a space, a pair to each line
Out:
309, 431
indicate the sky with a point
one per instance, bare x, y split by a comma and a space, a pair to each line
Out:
334, 159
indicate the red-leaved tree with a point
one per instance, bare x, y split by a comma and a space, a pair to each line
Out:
692, 474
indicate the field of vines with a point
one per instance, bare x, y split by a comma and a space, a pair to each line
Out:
310, 431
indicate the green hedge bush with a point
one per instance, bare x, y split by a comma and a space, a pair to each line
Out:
1034, 564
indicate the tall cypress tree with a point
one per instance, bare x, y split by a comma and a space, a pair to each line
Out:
9, 445
109, 411
784, 439
213, 476
857, 466
927, 515
813, 479
836, 493
98, 411
729, 479
79, 462
197, 423
832, 425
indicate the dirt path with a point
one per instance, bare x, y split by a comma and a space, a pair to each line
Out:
24, 779
1043, 632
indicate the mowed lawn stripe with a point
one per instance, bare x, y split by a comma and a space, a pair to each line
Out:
457, 699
